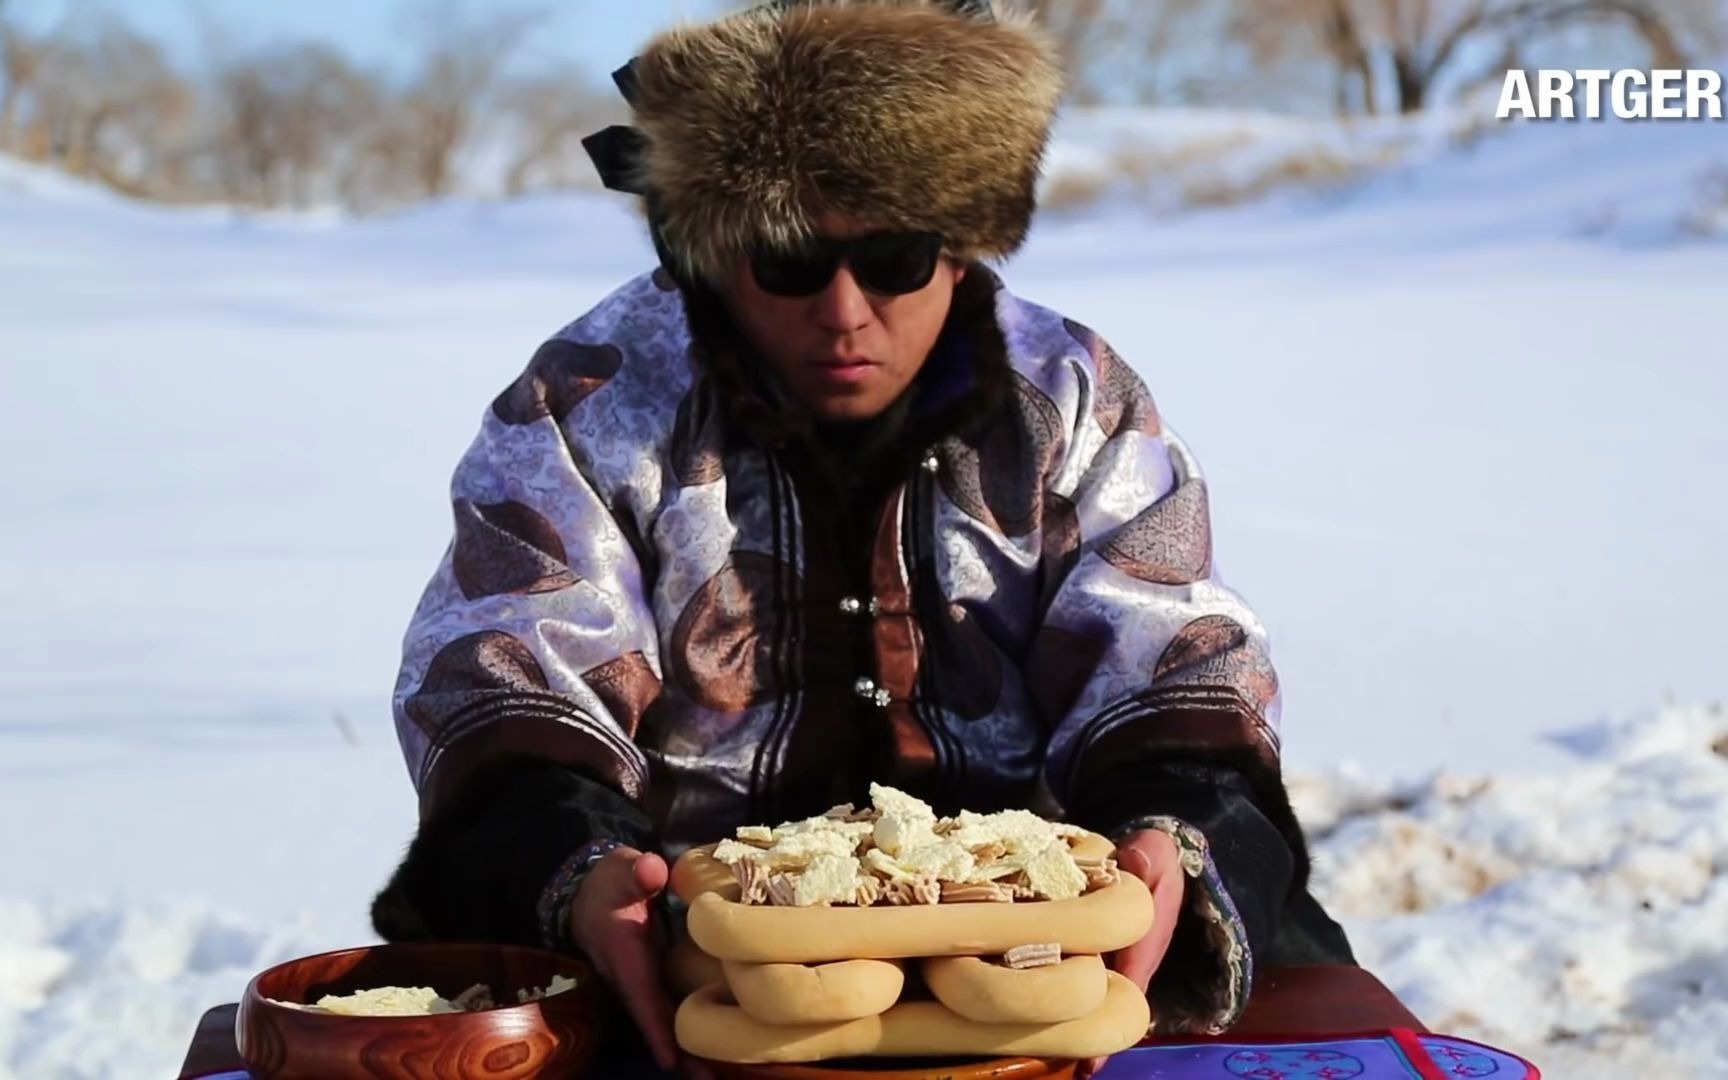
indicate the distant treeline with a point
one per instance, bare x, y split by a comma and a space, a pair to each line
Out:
1360, 57
298, 124
302, 124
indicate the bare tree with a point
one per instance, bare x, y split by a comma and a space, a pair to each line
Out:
1318, 33
329, 106
1420, 43
1416, 43
1410, 38
104, 102
461, 60
1116, 50
1341, 36
382, 173
21, 61
1676, 33
293, 118
550, 114
149, 110
294, 124
1073, 25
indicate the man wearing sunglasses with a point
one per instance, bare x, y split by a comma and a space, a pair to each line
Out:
820, 503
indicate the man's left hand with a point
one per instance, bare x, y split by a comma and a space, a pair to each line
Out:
1151, 856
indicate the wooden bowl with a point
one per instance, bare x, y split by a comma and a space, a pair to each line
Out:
1006, 1068
555, 1036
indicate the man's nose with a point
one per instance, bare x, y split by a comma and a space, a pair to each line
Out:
842, 307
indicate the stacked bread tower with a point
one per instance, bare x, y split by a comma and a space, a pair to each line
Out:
892, 932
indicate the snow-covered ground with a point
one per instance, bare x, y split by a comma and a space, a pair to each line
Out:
1463, 422
1580, 917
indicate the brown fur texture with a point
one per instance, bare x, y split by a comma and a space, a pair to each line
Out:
899, 114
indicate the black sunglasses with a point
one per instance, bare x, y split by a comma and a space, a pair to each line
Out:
886, 263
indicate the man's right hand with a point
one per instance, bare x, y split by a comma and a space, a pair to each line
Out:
612, 920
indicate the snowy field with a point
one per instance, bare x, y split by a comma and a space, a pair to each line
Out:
1463, 423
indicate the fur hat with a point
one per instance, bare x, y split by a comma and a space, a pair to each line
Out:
918, 115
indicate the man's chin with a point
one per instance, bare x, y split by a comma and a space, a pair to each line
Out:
843, 408
849, 412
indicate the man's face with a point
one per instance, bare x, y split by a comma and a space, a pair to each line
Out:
845, 353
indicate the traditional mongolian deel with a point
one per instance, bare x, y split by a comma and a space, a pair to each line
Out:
658, 597
639, 595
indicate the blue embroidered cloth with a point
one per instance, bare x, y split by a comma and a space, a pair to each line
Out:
1390, 1056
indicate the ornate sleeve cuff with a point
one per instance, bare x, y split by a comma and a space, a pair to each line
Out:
1202, 986
553, 908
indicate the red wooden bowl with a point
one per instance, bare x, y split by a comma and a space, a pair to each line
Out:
556, 1036
1006, 1068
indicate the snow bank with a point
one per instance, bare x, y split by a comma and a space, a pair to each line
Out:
1442, 180
1170, 160
94, 992
1579, 916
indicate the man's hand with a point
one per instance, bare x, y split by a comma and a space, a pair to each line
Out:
612, 921
1151, 856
